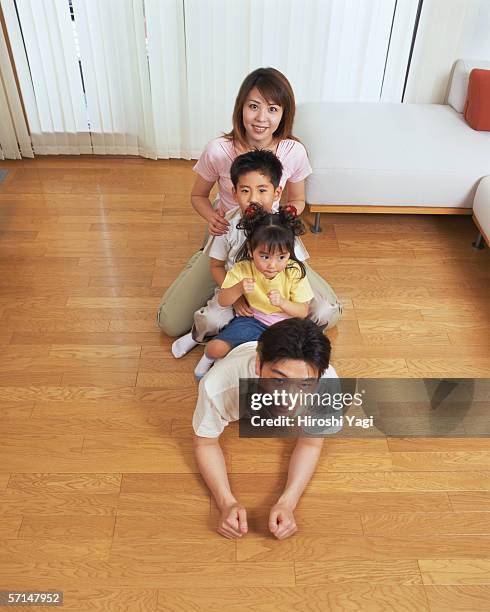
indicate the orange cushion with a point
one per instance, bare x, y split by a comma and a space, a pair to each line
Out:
477, 108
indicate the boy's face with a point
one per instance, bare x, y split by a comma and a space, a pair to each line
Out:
255, 187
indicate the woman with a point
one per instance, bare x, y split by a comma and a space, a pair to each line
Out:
262, 119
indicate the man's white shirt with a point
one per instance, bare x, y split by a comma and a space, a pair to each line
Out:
218, 399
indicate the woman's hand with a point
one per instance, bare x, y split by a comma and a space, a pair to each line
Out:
241, 308
296, 195
217, 224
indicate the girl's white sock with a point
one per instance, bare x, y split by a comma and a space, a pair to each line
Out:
183, 345
203, 366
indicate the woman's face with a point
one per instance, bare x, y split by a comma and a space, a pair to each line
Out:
261, 119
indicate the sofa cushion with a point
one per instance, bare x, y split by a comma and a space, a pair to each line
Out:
477, 108
391, 154
459, 82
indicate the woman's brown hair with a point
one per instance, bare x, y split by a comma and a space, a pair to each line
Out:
275, 88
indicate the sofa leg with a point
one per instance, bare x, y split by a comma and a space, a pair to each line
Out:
316, 229
479, 242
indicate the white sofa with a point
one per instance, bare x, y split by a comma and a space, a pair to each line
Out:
481, 212
382, 157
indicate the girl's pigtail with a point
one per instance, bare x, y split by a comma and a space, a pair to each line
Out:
288, 216
254, 215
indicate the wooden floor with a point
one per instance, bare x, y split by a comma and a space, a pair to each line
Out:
99, 495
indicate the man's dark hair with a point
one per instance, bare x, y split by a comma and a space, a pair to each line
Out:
262, 161
295, 339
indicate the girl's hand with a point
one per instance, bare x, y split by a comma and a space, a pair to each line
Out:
248, 285
275, 298
241, 308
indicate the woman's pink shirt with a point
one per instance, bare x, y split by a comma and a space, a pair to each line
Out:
218, 155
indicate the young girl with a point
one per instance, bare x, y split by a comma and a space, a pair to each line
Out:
262, 119
268, 273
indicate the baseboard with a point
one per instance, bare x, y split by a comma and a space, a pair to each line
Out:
397, 210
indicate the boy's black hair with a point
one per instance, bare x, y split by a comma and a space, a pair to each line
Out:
295, 339
276, 231
260, 160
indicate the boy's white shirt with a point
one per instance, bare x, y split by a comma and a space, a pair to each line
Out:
218, 398
225, 248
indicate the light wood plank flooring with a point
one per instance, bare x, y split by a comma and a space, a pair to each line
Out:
99, 492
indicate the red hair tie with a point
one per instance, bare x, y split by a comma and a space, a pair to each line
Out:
291, 210
251, 210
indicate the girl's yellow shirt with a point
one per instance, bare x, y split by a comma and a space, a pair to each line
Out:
288, 282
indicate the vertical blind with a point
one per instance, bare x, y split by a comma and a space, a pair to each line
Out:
114, 66
14, 135
158, 78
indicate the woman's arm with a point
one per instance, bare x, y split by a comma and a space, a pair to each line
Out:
201, 189
296, 195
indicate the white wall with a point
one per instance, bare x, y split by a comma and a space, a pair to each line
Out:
475, 39
448, 30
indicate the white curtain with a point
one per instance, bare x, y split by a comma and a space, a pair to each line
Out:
14, 135
167, 65
399, 50
332, 50
115, 71
448, 30
86, 80
47, 65
160, 76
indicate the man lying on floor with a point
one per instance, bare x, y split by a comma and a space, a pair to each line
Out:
293, 348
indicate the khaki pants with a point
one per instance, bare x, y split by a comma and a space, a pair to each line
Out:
325, 308
189, 291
